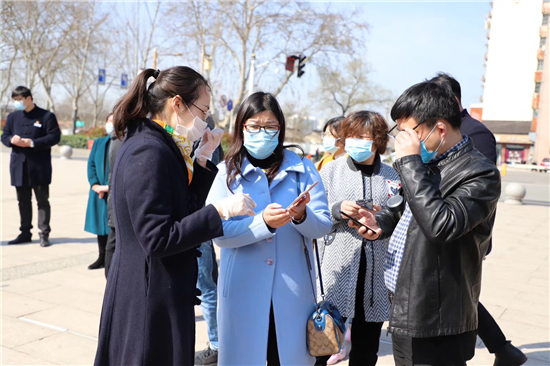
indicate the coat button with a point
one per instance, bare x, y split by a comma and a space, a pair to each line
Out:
198, 292
269, 261
198, 253
197, 301
269, 240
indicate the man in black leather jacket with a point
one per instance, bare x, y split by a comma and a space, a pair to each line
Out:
438, 243
506, 354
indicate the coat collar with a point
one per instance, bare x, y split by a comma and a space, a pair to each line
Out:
377, 163
291, 163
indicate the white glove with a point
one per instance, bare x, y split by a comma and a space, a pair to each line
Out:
236, 205
209, 143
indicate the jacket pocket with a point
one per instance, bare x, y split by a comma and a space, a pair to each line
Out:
146, 276
227, 276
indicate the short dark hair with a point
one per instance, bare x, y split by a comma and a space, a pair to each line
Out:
109, 115
442, 77
428, 102
333, 123
373, 122
21, 91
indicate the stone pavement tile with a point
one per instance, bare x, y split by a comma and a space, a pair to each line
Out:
527, 307
515, 330
500, 293
15, 305
539, 281
537, 297
17, 332
14, 261
93, 281
12, 357
25, 285
90, 301
75, 320
524, 317
62, 348
512, 285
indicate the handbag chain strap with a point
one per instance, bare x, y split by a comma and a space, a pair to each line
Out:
308, 259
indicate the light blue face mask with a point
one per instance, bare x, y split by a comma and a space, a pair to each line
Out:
425, 154
260, 144
18, 104
329, 144
109, 127
359, 149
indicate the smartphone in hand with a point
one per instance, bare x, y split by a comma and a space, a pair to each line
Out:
302, 196
356, 221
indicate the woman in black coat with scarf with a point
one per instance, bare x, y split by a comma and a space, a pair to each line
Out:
158, 199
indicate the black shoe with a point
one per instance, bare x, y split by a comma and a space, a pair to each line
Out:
45, 241
21, 239
99, 263
510, 356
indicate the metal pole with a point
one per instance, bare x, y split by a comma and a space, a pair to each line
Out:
251, 76
155, 58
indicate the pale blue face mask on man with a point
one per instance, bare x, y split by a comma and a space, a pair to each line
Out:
359, 149
19, 105
425, 154
260, 144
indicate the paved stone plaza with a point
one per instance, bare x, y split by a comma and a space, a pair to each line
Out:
51, 302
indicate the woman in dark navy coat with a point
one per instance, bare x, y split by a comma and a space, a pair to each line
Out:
158, 200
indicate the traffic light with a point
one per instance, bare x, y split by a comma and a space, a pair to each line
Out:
290, 61
301, 65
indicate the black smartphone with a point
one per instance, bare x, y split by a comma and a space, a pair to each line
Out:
366, 204
356, 221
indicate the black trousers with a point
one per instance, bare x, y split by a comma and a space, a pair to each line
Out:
24, 198
452, 350
109, 250
272, 348
102, 243
364, 335
489, 331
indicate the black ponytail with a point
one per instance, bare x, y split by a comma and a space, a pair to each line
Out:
135, 104
142, 101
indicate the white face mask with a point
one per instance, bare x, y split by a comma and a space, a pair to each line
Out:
195, 132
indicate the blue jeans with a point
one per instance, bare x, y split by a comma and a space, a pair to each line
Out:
208, 284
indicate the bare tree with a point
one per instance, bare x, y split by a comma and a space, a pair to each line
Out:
40, 30
77, 77
350, 88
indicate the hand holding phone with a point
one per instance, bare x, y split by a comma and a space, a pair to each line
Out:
367, 232
302, 196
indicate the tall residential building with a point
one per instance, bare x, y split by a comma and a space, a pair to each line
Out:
515, 29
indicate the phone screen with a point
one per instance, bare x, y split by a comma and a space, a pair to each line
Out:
356, 221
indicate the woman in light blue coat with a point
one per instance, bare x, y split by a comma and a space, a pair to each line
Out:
265, 293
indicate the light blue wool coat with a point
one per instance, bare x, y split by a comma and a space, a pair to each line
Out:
259, 267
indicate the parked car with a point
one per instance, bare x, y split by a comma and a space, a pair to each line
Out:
545, 164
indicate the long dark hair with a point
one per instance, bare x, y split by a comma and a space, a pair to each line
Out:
254, 104
141, 101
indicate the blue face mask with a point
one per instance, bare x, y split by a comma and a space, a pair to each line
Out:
359, 149
260, 144
329, 144
18, 104
425, 154
109, 127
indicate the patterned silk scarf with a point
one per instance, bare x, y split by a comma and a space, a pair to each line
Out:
185, 146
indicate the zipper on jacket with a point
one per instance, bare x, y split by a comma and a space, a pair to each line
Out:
372, 276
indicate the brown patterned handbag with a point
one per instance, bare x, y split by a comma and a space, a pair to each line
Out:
325, 327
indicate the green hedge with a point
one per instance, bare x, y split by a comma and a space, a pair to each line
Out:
76, 141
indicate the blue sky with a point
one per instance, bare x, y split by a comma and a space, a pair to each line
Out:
409, 42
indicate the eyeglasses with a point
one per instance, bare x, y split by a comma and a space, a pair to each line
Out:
394, 131
204, 112
271, 129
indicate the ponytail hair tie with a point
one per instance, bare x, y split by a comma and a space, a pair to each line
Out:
156, 74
